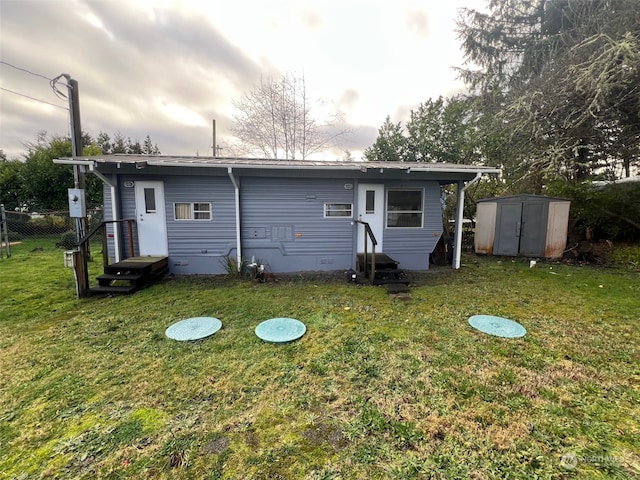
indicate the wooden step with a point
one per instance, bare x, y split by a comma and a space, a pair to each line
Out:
130, 275
106, 278
106, 290
382, 261
397, 287
390, 281
388, 271
154, 265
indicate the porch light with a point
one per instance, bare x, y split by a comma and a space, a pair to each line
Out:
351, 275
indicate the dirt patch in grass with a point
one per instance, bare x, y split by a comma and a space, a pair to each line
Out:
217, 445
322, 433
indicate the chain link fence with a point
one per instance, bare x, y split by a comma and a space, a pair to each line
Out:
58, 226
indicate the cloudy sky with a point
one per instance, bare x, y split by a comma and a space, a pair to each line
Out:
167, 68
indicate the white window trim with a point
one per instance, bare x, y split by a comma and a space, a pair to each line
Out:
333, 217
193, 212
386, 207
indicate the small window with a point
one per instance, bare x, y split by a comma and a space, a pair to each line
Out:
338, 210
404, 208
192, 211
202, 211
150, 200
370, 202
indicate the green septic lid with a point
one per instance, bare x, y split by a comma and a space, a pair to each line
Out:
280, 330
193, 328
498, 326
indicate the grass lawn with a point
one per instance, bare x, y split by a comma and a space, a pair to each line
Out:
377, 388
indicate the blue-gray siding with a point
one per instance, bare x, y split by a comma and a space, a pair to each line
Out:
195, 247
122, 226
107, 212
412, 246
200, 246
282, 223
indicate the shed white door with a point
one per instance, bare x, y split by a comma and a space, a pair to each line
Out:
370, 210
151, 219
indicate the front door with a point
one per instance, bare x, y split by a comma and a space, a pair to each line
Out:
150, 218
370, 210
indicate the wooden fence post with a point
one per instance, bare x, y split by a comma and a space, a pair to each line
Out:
81, 273
4, 232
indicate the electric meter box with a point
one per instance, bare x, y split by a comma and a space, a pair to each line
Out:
77, 204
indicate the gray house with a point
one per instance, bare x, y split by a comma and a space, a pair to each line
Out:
292, 215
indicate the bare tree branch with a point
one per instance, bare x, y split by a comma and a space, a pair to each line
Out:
276, 120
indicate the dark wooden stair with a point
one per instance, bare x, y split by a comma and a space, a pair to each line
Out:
386, 272
130, 275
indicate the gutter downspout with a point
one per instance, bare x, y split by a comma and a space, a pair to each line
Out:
457, 242
117, 241
234, 180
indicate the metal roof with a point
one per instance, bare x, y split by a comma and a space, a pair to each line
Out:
521, 197
257, 163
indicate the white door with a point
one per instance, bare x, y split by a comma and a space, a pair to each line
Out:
150, 218
370, 210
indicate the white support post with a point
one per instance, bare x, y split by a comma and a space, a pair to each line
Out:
457, 239
234, 181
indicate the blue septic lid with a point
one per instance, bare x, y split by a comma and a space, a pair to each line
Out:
280, 330
498, 326
193, 328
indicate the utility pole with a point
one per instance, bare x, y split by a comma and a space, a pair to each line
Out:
82, 255
213, 125
76, 145
215, 147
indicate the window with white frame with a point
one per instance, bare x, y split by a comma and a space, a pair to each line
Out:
192, 211
404, 208
332, 210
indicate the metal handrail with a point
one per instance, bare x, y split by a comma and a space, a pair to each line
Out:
81, 254
374, 242
103, 227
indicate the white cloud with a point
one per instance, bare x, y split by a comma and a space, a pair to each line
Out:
166, 68
174, 112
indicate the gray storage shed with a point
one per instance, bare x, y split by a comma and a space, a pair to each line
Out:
528, 225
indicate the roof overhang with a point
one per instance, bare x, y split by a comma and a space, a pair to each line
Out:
443, 172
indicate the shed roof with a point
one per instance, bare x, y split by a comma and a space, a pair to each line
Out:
524, 197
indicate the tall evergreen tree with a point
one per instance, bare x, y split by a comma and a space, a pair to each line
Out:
119, 144
104, 142
441, 130
562, 77
134, 147
148, 148
391, 144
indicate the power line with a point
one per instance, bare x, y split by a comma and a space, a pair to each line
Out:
54, 81
32, 98
24, 70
